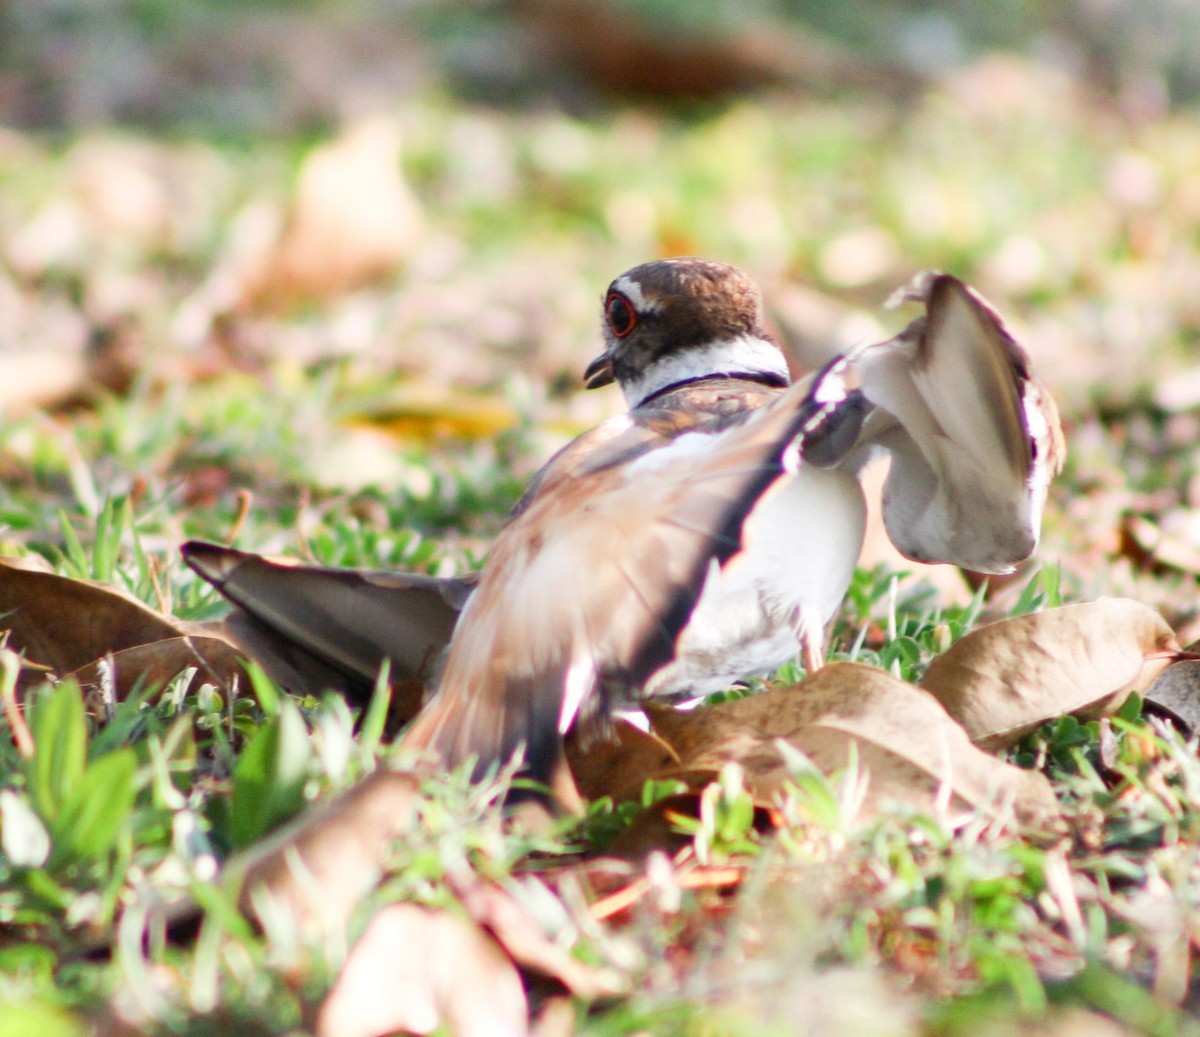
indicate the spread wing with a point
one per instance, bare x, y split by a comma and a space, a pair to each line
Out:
973, 437
313, 627
587, 589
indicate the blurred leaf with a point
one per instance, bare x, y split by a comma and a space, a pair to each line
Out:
28, 958
1122, 998
342, 845
431, 412
522, 932
23, 837
353, 220
617, 766
38, 1018
60, 735
91, 818
415, 970
268, 781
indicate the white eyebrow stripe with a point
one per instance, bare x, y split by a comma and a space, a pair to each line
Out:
629, 288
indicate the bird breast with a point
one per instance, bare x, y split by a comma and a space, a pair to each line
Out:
799, 549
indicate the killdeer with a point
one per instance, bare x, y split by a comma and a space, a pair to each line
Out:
718, 582
590, 592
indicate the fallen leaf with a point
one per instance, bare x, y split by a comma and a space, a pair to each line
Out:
317, 869
1006, 679
912, 750
38, 377
700, 57
427, 411
1153, 545
66, 624
215, 660
416, 970
617, 766
313, 874
107, 640
353, 220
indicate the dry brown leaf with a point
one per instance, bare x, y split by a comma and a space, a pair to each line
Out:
216, 661
37, 377
1156, 545
1004, 680
354, 219
314, 873
103, 637
613, 48
66, 624
912, 750
618, 766
318, 868
415, 970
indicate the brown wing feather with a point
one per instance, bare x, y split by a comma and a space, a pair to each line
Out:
973, 441
552, 619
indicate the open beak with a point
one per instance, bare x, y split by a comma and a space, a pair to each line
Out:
599, 372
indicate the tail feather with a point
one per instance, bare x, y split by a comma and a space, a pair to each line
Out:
315, 627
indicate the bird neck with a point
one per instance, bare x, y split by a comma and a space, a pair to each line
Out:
747, 357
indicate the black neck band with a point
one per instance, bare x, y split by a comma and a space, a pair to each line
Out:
769, 378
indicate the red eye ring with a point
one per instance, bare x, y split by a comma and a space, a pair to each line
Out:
620, 314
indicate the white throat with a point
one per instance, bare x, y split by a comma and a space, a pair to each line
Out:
744, 355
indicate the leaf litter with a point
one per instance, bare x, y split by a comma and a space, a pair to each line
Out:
109, 641
904, 742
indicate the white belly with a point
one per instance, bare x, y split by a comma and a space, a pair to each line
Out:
800, 547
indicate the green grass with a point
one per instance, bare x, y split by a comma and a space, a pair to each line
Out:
976, 921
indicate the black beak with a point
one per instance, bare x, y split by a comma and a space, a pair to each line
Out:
599, 372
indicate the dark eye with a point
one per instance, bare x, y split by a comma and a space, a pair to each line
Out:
622, 318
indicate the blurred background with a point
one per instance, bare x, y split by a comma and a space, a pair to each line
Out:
394, 222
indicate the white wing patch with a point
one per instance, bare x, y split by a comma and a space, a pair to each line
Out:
577, 685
